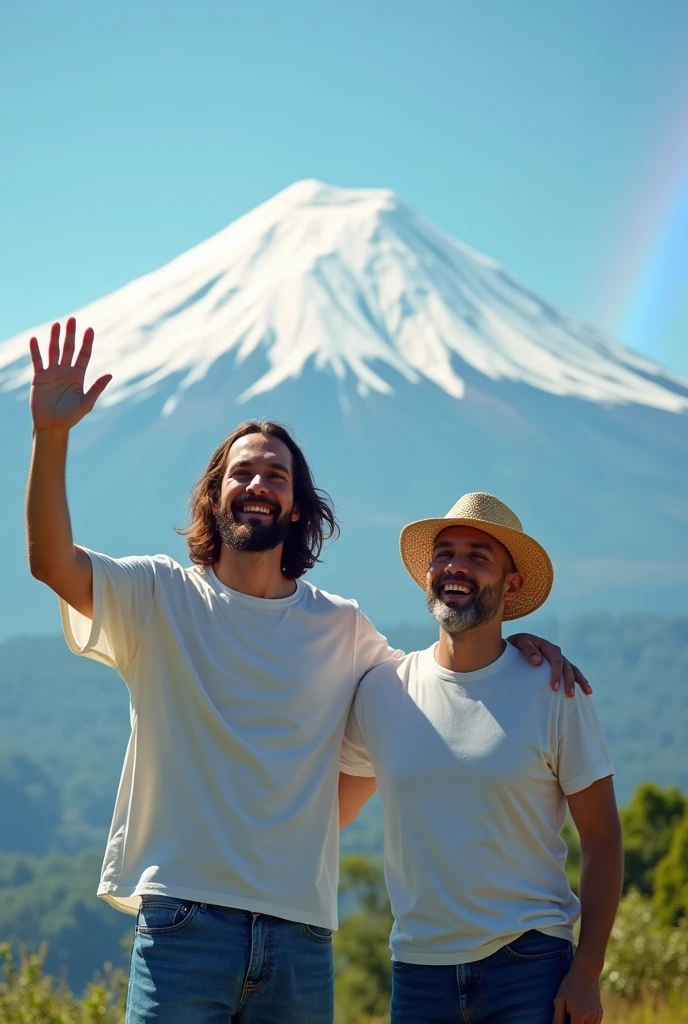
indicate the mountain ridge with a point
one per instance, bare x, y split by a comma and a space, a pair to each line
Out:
357, 282
411, 368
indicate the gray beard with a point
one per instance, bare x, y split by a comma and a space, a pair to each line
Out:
252, 536
478, 612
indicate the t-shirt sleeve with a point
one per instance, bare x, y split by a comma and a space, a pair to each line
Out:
371, 648
354, 758
123, 591
582, 754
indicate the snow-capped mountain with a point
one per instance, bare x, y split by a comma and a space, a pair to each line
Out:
412, 367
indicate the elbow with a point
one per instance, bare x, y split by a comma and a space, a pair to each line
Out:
607, 841
38, 570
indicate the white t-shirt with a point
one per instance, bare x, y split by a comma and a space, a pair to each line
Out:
473, 769
228, 793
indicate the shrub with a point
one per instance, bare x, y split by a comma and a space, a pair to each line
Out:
28, 996
644, 958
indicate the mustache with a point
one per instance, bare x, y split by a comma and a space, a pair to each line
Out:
452, 578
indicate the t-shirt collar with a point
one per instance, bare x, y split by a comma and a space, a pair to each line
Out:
262, 603
502, 662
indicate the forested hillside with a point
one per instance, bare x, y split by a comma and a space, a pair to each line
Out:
64, 726
64, 723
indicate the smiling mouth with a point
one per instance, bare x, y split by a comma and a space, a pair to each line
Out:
455, 591
256, 509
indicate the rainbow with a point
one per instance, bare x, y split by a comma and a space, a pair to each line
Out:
652, 276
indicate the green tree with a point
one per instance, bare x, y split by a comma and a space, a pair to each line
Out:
671, 878
362, 962
53, 900
648, 823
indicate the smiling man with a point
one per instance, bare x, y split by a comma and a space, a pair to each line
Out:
476, 767
224, 841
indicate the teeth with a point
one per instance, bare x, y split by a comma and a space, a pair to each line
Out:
256, 508
457, 587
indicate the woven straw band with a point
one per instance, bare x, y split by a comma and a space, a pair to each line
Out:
489, 514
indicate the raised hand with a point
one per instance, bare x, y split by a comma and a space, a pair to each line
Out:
58, 401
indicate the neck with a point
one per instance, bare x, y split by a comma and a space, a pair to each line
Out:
472, 650
256, 573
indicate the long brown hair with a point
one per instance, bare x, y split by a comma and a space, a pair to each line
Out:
316, 523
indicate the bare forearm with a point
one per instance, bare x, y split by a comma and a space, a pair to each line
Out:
49, 538
600, 891
354, 792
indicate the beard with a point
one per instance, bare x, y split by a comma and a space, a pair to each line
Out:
475, 613
253, 535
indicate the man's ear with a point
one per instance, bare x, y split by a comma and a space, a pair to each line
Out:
295, 514
514, 586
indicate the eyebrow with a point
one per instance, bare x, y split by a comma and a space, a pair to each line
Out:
246, 464
476, 545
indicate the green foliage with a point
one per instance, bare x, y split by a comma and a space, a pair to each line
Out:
644, 958
70, 715
648, 823
671, 878
68, 719
28, 996
573, 859
52, 900
363, 984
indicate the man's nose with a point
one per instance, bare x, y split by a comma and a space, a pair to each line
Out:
257, 485
457, 565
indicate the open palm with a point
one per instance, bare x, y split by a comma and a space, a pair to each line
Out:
57, 390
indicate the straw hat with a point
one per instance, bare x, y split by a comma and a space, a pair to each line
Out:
489, 514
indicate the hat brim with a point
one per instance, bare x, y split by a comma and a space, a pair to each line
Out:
530, 558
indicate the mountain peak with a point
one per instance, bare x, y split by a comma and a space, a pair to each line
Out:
357, 285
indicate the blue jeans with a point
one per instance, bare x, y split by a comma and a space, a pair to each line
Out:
516, 985
192, 963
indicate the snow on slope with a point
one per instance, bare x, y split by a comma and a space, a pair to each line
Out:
359, 284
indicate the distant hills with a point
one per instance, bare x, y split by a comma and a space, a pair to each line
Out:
64, 726
68, 717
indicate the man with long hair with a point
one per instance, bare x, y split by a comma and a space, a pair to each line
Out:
224, 841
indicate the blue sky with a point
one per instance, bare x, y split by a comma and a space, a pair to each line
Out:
530, 130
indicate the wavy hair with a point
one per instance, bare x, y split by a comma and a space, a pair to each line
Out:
304, 542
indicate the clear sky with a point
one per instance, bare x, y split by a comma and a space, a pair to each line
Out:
548, 135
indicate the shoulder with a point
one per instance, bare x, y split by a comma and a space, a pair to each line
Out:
170, 574
390, 676
326, 603
535, 689
536, 678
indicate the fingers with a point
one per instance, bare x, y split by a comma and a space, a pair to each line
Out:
529, 651
96, 390
68, 346
581, 680
84, 356
559, 1011
553, 655
35, 351
54, 345
569, 681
